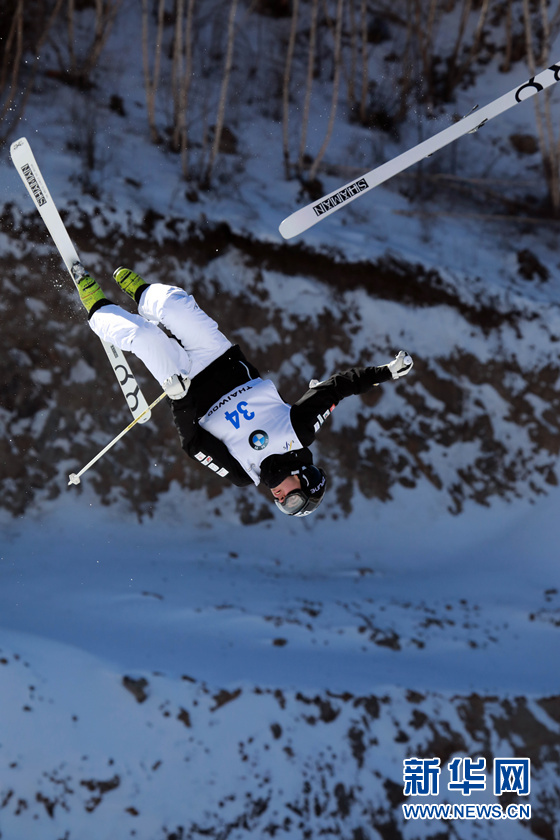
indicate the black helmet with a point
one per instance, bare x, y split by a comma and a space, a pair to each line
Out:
308, 497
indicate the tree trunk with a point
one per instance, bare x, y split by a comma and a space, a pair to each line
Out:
185, 90
364, 88
286, 89
336, 85
151, 80
223, 93
177, 77
549, 145
13, 104
308, 82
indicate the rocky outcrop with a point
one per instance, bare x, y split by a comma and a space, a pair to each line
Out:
477, 420
245, 761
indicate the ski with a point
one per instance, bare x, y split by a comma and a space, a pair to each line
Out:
307, 216
25, 163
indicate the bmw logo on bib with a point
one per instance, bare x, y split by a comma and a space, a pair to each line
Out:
258, 439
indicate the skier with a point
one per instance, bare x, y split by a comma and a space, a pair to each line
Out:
228, 418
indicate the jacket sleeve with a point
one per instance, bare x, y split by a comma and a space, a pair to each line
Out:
203, 447
212, 453
310, 412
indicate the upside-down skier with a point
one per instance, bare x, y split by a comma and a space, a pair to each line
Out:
228, 418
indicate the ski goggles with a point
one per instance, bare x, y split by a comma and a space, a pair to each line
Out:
296, 503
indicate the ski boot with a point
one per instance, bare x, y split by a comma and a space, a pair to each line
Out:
130, 282
91, 293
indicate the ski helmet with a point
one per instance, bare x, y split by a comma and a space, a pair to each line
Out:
308, 497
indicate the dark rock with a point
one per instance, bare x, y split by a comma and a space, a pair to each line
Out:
137, 687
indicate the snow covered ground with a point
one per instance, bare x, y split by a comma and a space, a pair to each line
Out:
269, 665
452, 604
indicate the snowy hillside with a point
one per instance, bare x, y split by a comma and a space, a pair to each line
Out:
430, 263
165, 680
176, 659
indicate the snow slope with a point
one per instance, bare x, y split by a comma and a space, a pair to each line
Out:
461, 605
287, 672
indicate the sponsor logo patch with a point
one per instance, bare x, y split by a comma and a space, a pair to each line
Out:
258, 439
208, 461
322, 417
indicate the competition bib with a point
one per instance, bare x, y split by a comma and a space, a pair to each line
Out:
254, 422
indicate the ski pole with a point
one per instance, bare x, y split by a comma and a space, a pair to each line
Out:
74, 478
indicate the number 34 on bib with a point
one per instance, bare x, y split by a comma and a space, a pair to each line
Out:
241, 412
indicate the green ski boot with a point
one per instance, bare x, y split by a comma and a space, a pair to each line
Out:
130, 282
91, 293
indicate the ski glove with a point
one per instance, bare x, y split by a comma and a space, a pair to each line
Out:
401, 365
176, 386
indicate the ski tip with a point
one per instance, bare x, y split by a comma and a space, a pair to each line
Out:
286, 228
17, 143
299, 221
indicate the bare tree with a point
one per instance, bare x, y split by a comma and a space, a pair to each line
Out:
424, 25
286, 88
177, 73
11, 60
335, 88
457, 67
314, 10
353, 29
549, 142
82, 60
182, 137
364, 52
336, 29
223, 93
21, 38
509, 37
151, 76
440, 70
